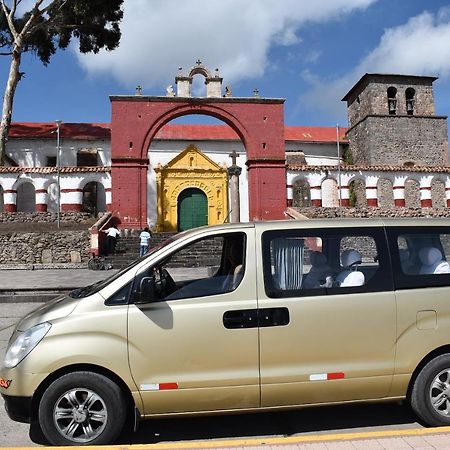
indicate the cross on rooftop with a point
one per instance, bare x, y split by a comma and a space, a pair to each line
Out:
198, 62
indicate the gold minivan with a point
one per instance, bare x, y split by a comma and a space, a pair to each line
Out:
243, 317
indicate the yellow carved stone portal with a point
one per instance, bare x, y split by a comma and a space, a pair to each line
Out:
190, 169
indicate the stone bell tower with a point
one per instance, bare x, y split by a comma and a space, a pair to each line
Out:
392, 121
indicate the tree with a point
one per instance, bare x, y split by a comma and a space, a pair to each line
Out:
48, 26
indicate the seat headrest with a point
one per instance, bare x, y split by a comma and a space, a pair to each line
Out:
350, 257
429, 255
318, 259
404, 255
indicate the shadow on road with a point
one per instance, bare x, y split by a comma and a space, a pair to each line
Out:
308, 420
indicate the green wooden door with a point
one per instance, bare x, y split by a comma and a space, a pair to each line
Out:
192, 209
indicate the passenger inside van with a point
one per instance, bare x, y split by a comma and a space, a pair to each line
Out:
432, 261
350, 276
320, 274
406, 261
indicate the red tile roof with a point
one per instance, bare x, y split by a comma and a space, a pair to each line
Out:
82, 131
62, 170
92, 131
364, 168
314, 134
197, 133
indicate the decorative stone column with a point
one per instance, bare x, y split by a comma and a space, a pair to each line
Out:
371, 191
108, 198
72, 200
316, 195
234, 172
289, 195
425, 192
41, 200
399, 191
447, 191
9, 200
315, 188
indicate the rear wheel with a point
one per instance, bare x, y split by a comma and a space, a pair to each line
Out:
430, 396
82, 408
94, 264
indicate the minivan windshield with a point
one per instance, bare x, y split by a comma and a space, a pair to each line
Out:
95, 287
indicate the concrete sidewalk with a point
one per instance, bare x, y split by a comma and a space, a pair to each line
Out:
22, 285
19, 280
421, 439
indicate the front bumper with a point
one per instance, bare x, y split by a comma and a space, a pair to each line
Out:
18, 408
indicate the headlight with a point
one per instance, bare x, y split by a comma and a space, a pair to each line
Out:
24, 343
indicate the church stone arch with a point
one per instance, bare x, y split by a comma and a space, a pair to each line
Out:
190, 169
136, 120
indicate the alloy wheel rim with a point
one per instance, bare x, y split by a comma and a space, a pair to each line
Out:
80, 415
440, 393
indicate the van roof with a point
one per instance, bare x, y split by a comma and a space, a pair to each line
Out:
337, 222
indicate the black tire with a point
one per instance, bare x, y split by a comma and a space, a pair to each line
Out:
94, 264
82, 408
430, 396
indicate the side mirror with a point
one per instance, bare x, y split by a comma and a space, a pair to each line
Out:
146, 292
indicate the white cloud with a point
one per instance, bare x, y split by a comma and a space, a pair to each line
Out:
419, 47
232, 35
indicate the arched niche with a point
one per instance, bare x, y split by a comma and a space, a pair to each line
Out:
301, 194
26, 197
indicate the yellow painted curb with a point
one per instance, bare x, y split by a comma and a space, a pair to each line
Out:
254, 442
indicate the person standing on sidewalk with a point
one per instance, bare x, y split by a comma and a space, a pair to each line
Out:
112, 234
144, 241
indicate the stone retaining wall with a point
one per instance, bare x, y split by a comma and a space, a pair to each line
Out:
370, 213
45, 217
45, 248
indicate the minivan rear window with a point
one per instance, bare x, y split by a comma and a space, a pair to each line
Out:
421, 256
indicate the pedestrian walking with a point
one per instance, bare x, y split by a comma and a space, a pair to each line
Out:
144, 241
112, 234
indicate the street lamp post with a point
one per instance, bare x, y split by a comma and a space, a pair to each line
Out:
339, 165
58, 172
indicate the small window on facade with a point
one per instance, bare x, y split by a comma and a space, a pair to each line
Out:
392, 100
87, 158
51, 161
410, 94
300, 263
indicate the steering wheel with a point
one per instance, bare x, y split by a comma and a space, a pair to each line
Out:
165, 285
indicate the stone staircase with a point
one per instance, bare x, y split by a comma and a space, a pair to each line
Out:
204, 254
127, 249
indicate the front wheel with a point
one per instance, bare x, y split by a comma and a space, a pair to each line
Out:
430, 396
82, 408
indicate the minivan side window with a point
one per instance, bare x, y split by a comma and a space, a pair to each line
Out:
209, 266
421, 256
329, 261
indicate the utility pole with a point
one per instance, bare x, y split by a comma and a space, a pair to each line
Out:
58, 172
339, 164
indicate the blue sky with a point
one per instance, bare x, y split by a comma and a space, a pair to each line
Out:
309, 52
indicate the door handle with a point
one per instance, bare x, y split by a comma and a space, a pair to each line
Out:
273, 317
252, 318
241, 318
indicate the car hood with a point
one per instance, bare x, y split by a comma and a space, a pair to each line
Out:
54, 309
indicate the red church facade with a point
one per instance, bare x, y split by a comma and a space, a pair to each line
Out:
259, 122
